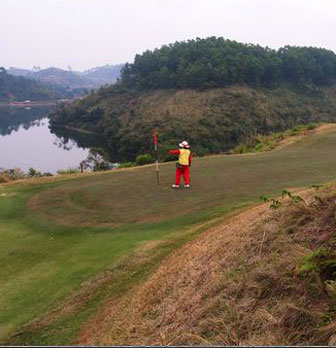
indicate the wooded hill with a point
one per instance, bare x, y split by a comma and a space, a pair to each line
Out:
70, 79
212, 92
19, 88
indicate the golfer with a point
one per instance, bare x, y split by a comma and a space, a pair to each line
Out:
183, 164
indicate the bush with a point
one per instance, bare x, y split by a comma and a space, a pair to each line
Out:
144, 159
32, 173
7, 175
68, 171
241, 148
126, 165
97, 160
311, 126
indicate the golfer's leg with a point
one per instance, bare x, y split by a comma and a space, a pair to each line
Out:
186, 175
177, 176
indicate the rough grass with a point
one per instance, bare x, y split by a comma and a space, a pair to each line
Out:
271, 141
223, 289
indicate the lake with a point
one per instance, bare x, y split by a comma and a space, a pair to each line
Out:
26, 141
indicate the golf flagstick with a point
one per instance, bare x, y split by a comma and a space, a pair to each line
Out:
156, 157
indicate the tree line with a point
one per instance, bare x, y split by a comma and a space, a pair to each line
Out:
217, 62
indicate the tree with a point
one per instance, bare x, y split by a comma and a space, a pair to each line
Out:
97, 159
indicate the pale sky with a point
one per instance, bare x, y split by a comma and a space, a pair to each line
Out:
89, 33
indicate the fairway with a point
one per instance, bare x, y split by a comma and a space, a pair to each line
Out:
57, 235
134, 197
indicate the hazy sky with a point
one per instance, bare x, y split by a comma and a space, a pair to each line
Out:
88, 33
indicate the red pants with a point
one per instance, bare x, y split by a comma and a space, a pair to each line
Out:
184, 170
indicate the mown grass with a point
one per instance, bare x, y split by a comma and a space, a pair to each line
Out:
57, 235
44, 261
112, 284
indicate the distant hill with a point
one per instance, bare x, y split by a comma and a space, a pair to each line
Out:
212, 92
64, 78
19, 72
73, 80
106, 74
20, 88
213, 121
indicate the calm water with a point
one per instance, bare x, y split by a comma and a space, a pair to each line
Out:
26, 141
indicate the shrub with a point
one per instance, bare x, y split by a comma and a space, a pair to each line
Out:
68, 171
126, 165
241, 148
32, 173
144, 159
311, 126
7, 175
97, 160
259, 147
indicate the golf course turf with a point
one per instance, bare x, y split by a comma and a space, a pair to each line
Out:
56, 237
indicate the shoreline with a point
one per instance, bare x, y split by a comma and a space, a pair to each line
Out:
28, 104
33, 103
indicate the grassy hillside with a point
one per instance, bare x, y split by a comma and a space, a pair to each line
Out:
68, 246
213, 92
213, 121
262, 277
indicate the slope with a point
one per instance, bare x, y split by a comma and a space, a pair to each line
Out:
58, 236
259, 278
213, 120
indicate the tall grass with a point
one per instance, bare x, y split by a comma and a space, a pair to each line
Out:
268, 142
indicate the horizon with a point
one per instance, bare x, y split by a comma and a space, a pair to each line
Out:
116, 64
87, 33
57, 67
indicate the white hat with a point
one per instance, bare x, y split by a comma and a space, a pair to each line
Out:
184, 144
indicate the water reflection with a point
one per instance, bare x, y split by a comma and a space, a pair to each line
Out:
64, 143
68, 138
26, 141
12, 118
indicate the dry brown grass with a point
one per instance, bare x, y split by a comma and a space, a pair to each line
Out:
219, 289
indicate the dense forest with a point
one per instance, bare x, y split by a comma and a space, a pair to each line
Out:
216, 62
19, 88
213, 92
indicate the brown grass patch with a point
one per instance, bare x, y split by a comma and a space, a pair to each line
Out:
219, 289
